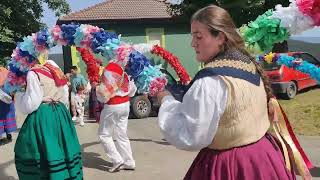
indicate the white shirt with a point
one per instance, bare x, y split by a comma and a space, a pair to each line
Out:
131, 92
30, 100
192, 124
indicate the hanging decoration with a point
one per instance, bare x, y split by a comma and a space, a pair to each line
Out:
87, 39
278, 25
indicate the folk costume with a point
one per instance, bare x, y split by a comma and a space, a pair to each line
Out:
224, 114
114, 116
47, 146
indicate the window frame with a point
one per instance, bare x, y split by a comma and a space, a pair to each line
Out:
158, 30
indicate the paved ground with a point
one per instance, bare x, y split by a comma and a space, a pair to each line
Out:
155, 158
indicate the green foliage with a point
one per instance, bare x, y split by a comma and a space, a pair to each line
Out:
242, 11
304, 112
19, 18
4, 61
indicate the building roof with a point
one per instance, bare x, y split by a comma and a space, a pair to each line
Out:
121, 10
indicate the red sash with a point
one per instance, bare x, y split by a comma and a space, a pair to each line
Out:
118, 100
52, 72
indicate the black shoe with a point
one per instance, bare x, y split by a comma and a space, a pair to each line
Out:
9, 137
5, 141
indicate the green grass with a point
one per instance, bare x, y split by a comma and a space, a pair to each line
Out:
304, 112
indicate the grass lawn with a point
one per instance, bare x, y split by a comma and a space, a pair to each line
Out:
304, 112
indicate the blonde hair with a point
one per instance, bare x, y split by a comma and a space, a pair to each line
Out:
218, 21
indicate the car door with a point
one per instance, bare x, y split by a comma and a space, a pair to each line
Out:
309, 58
300, 77
175, 87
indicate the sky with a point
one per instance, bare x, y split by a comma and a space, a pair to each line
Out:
50, 19
76, 5
315, 32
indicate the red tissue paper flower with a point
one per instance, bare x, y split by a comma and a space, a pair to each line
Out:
174, 62
92, 64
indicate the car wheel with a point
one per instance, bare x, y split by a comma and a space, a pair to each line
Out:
141, 107
291, 90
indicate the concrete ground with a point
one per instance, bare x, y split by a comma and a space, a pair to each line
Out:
155, 158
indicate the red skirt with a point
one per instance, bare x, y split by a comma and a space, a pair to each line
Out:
262, 160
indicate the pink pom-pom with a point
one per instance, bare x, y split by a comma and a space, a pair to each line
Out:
87, 30
17, 81
92, 29
15, 54
310, 8
56, 32
56, 35
158, 84
123, 53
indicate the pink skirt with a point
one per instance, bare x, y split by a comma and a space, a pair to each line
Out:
262, 160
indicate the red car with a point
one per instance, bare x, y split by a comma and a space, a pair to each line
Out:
287, 81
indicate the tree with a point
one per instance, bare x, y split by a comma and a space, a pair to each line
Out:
242, 11
19, 18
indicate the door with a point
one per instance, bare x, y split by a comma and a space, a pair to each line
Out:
300, 77
309, 58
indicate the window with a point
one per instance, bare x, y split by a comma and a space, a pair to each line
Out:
171, 80
111, 31
269, 67
309, 58
155, 36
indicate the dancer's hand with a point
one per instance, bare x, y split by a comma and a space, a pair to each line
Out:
162, 94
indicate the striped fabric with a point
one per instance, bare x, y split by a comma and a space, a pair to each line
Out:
47, 146
67, 169
7, 118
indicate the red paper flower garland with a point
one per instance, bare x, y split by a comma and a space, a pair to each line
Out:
91, 62
174, 62
93, 68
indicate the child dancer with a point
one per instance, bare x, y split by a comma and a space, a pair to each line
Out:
79, 99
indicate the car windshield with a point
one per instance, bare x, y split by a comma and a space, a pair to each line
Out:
269, 67
171, 80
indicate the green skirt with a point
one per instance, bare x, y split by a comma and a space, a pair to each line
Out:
47, 146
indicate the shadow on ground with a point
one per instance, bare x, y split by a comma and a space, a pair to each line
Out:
3, 174
150, 140
93, 160
315, 172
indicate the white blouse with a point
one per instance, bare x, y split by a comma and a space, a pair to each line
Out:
192, 124
30, 100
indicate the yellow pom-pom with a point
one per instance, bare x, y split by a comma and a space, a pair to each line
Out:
268, 58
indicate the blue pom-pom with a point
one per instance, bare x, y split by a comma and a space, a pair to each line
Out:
100, 39
137, 62
68, 32
42, 37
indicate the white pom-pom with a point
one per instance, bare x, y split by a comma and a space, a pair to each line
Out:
292, 19
175, 2
143, 47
